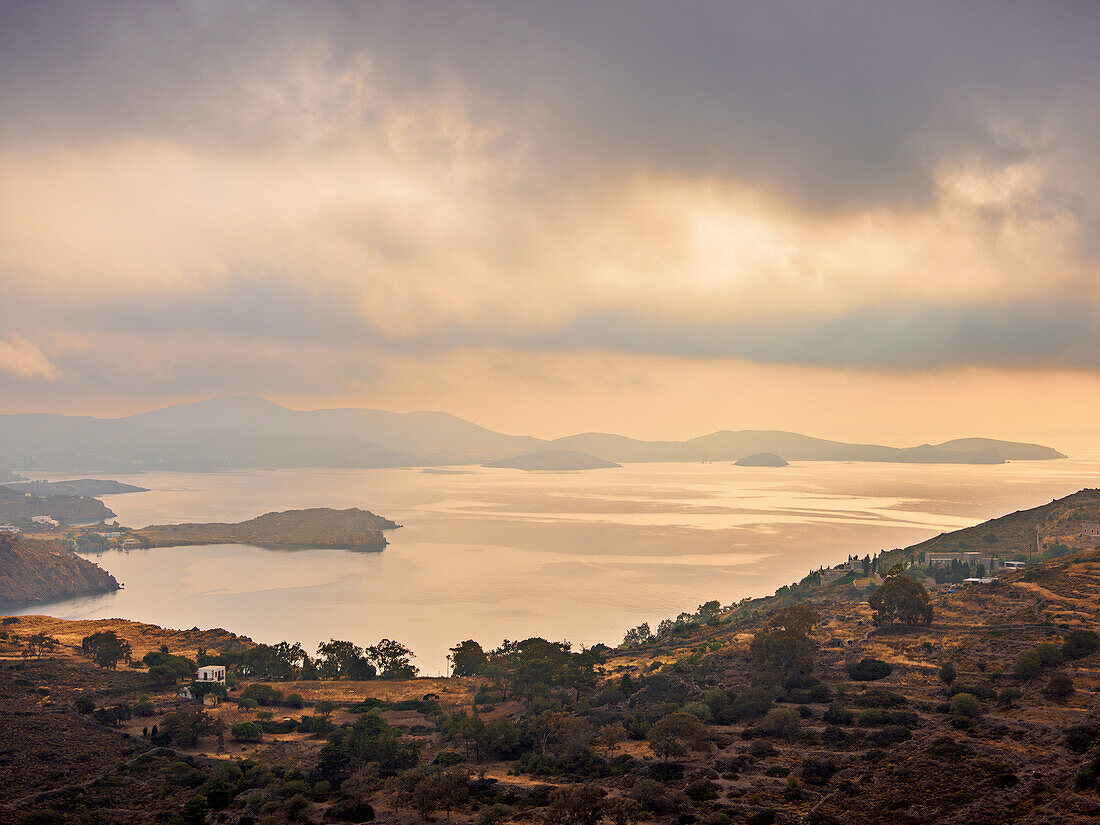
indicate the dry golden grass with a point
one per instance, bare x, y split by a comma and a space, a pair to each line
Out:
143, 638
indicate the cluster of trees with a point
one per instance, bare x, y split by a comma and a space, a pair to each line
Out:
168, 668
335, 659
707, 614
530, 667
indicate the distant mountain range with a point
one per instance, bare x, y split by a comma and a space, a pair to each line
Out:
234, 432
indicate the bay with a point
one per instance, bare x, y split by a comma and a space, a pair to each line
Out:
492, 554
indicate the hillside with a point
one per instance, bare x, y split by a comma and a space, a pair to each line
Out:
17, 506
318, 527
554, 460
41, 572
1016, 533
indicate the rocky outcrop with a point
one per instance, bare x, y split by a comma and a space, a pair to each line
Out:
32, 571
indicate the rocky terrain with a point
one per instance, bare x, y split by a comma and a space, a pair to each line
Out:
353, 529
33, 571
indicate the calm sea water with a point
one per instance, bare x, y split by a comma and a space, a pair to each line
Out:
492, 554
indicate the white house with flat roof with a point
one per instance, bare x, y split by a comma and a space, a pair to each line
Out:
211, 673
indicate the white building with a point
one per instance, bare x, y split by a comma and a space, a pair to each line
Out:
44, 520
211, 673
1014, 565
9, 528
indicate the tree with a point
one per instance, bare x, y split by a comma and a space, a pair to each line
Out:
784, 646
39, 643
84, 703
247, 732
611, 735
900, 599
468, 658
106, 649
948, 673
677, 733
392, 660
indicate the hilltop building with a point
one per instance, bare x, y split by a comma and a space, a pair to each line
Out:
211, 673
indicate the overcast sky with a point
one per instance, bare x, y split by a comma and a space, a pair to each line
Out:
852, 219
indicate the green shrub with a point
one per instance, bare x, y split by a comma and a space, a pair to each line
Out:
1007, 696
701, 790
295, 700
85, 704
263, 694
1079, 643
1028, 665
966, 705
1049, 654
948, 673
837, 715
247, 704
780, 722
1059, 687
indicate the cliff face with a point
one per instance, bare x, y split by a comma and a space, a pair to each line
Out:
41, 571
319, 527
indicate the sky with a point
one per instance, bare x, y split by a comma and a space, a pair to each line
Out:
863, 220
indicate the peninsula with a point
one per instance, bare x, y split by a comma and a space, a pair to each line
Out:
352, 529
77, 487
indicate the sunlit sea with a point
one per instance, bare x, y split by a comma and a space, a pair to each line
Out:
490, 554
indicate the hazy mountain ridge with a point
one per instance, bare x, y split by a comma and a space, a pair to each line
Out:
234, 432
